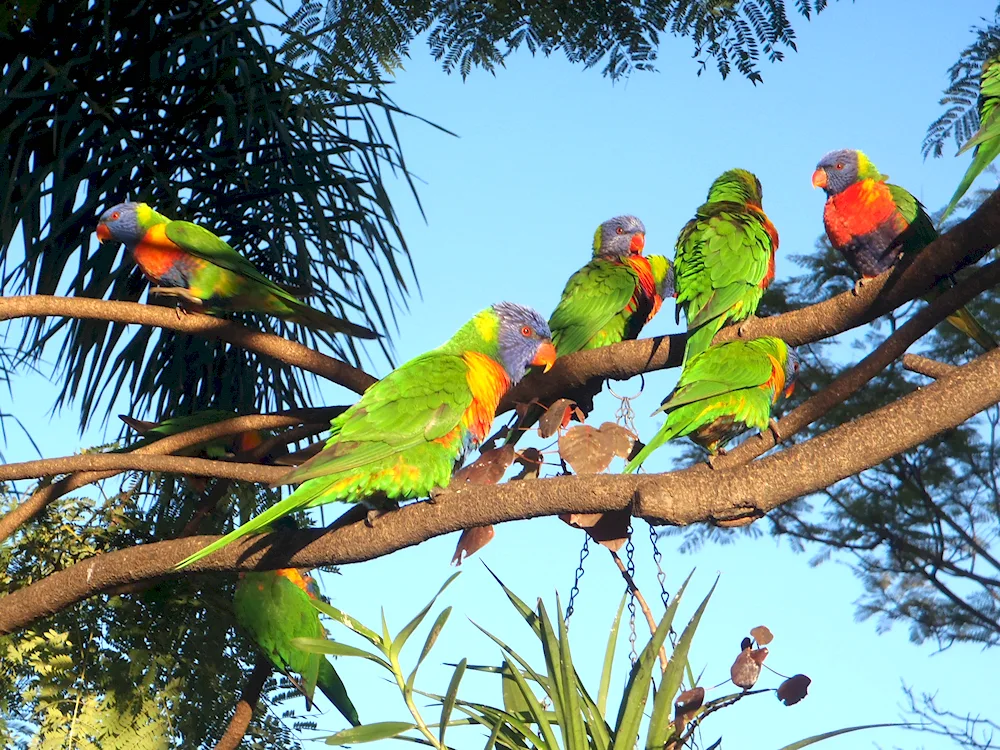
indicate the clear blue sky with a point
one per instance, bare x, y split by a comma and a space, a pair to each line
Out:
547, 151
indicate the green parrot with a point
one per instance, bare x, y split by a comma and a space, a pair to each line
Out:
609, 300
873, 223
224, 447
986, 140
725, 258
725, 391
274, 607
189, 262
404, 437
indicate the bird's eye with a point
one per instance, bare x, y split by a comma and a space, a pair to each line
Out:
115, 216
839, 166
526, 331
619, 230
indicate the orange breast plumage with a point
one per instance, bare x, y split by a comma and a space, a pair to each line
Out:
488, 382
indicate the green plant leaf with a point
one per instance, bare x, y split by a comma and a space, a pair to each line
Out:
348, 622
526, 612
382, 730
325, 646
407, 631
637, 690
492, 741
432, 637
827, 735
533, 704
513, 701
609, 657
489, 717
659, 722
449, 699
558, 690
575, 727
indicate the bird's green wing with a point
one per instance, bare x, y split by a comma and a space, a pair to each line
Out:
720, 254
920, 231
418, 402
593, 296
717, 371
202, 243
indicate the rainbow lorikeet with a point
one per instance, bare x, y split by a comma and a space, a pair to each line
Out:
224, 447
873, 223
405, 435
274, 607
609, 300
725, 258
189, 262
725, 391
986, 140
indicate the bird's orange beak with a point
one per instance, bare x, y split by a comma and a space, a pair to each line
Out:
790, 389
545, 356
637, 244
819, 178
103, 233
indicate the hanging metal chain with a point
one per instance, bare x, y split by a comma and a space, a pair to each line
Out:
625, 416
630, 566
576, 581
661, 578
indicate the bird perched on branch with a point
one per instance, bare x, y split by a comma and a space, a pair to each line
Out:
874, 223
725, 258
986, 140
274, 607
724, 391
609, 300
404, 437
187, 261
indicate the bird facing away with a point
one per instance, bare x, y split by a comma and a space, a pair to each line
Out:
874, 223
725, 258
404, 437
187, 261
724, 391
274, 607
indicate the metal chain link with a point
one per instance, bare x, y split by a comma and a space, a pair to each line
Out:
625, 416
576, 581
630, 566
661, 578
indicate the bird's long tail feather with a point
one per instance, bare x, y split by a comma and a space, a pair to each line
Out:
700, 339
667, 432
965, 322
313, 318
333, 688
283, 508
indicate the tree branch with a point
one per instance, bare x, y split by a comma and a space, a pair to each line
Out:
34, 505
244, 709
678, 498
927, 366
281, 349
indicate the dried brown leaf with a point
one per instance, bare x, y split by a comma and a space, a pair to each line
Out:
531, 459
762, 635
746, 643
471, 541
746, 668
555, 417
689, 701
794, 689
489, 468
607, 529
589, 451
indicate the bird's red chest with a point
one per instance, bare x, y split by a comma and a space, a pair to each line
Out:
859, 210
156, 254
488, 382
645, 291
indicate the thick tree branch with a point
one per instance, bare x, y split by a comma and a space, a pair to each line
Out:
678, 498
118, 462
927, 366
42, 497
240, 722
281, 349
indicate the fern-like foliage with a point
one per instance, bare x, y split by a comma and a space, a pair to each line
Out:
377, 34
960, 119
188, 105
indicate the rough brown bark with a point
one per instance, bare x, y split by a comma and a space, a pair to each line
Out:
679, 498
244, 709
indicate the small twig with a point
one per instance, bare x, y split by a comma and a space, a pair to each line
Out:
650, 620
927, 366
244, 709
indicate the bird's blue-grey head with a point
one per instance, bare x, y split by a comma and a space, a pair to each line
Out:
620, 237
838, 170
121, 224
791, 371
524, 339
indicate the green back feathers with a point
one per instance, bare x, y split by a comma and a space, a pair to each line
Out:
736, 186
594, 297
